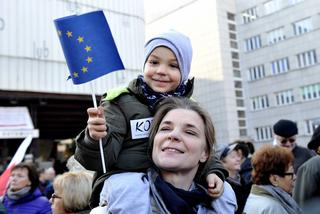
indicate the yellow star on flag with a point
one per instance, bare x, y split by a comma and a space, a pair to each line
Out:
69, 34
80, 39
84, 69
75, 74
89, 59
87, 48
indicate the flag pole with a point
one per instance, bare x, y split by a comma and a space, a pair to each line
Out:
100, 140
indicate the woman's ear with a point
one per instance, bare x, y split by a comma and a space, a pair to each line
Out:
274, 180
204, 156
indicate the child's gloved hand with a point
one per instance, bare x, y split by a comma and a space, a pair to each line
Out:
96, 123
215, 185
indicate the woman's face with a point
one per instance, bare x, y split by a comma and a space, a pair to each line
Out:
161, 71
180, 142
232, 162
286, 182
57, 203
19, 179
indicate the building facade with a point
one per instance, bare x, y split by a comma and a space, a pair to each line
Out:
279, 52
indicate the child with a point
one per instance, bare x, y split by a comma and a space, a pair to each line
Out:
123, 121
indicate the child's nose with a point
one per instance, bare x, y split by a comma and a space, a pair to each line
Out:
162, 69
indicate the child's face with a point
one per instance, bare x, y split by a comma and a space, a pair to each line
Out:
161, 71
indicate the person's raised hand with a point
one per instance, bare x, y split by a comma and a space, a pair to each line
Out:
96, 123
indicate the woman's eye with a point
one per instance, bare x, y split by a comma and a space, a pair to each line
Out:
190, 132
165, 128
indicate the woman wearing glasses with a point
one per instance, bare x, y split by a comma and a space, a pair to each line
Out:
273, 181
72, 192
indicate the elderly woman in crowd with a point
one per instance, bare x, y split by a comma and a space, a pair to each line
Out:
273, 181
72, 192
23, 194
181, 142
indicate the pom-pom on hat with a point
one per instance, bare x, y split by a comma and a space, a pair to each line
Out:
179, 44
285, 128
315, 139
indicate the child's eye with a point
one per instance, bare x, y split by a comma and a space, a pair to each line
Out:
174, 66
153, 62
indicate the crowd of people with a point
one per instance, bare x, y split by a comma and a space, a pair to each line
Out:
174, 166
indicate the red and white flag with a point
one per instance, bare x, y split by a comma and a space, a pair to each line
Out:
17, 158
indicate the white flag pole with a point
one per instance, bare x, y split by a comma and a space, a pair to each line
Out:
100, 140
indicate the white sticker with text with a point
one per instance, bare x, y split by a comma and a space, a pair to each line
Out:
140, 128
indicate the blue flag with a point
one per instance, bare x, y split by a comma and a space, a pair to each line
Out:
88, 46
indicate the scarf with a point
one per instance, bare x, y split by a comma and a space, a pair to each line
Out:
178, 200
18, 194
153, 97
287, 202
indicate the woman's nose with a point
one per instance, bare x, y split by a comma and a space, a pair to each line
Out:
174, 135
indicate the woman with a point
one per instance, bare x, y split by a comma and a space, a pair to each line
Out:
23, 194
181, 142
273, 181
72, 192
231, 160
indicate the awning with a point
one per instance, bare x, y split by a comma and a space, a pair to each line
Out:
15, 122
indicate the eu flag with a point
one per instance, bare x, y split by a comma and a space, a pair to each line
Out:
88, 46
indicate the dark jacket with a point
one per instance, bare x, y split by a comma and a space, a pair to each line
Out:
301, 155
33, 203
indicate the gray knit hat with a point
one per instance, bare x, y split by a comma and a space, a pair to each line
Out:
179, 44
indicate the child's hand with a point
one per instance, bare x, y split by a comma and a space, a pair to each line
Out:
215, 185
96, 123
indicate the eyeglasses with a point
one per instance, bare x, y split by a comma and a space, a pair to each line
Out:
288, 174
284, 141
54, 196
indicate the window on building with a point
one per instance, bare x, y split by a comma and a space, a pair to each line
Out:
256, 72
238, 84
232, 27
240, 102
263, 133
302, 26
231, 16
271, 6
241, 114
280, 66
259, 102
307, 58
253, 43
311, 125
284, 97
243, 132
234, 44
249, 15
236, 73
276, 35
310, 92
235, 64
242, 123
233, 36
234, 55
239, 94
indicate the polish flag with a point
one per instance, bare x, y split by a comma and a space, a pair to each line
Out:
17, 158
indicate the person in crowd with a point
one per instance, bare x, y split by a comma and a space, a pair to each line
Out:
23, 194
273, 180
181, 143
122, 121
307, 187
285, 133
246, 167
72, 192
231, 160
